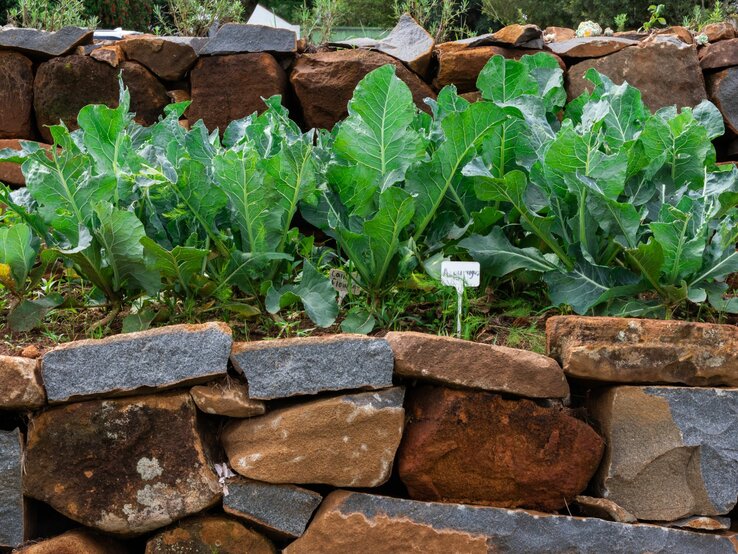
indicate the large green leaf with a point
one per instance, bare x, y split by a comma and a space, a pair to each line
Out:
682, 249
314, 291
498, 257
376, 144
18, 251
180, 264
431, 182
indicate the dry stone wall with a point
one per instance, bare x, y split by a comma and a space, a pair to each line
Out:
48, 77
623, 439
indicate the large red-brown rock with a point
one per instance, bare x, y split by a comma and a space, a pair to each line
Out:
167, 59
227, 397
65, 85
345, 441
474, 365
123, 466
723, 90
717, 32
622, 350
20, 384
719, 55
209, 535
225, 88
479, 448
460, 65
666, 70
325, 82
590, 47
16, 96
558, 34
77, 541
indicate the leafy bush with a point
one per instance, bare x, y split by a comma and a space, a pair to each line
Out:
618, 210
134, 15
193, 18
50, 16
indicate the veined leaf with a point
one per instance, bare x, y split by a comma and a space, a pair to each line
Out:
314, 291
682, 249
179, 265
498, 257
18, 251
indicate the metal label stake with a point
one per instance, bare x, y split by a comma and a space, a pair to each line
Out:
460, 275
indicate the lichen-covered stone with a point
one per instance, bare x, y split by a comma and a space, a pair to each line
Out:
16, 96
357, 522
282, 510
346, 441
226, 88
479, 448
621, 350
77, 541
11, 489
672, 452
209, 535
123, 466
291, 367
324, 83
20, 384
227, 398
665, 70
135, 362
474, 365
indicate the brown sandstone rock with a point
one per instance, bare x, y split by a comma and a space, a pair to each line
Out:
560, 34
31, 351
66, 84
179, 95
355, 522
324, 83
722, 88
123, 466
682, 33
604, 509
78, 541
478, 448
460, 65
719, 31
227, 398
515, 35
478, 366
590, 47
621, 350
208, 535
719, 55
16, 96
111, 54
672, 452
167, 59
666, 71
20, 384
343, 441
225, 88
701, 523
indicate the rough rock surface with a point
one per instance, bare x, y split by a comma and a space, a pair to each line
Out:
124, 466
42, 43
719, 31
290, 367
559, 34
209, 535
347, 441
722, 88
357, 522
20, 384
324, 83
478, 448
667, 72
515, 35
227, 398
459, 64
672, 452
682, 33
125, 364
66, 84
590, 47
235, 38
474, 365
603, 509
111, 54
225, 88
77, 541
167, 59
282, 510
11, 489
719, 55
621, 350
16, 95
702, 523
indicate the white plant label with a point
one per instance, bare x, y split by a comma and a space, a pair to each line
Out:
340, 282
460, 275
